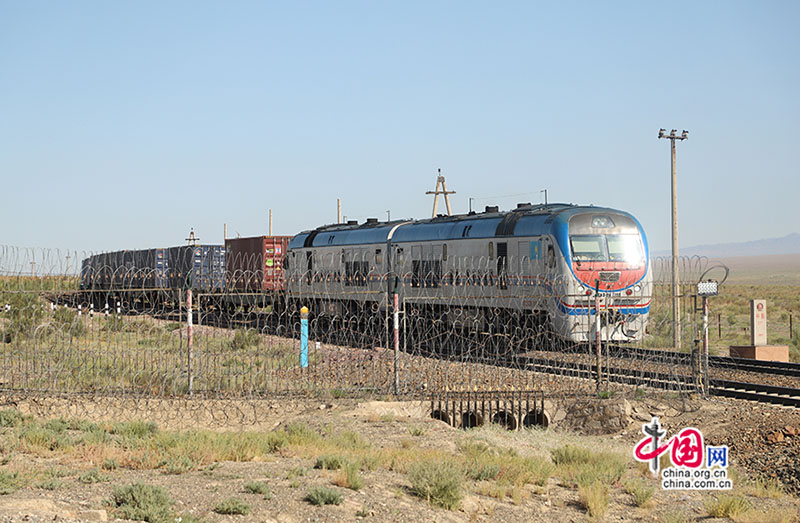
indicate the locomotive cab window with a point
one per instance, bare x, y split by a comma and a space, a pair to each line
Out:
586, 247
625, 248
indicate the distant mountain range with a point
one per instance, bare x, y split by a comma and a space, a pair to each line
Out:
789, 244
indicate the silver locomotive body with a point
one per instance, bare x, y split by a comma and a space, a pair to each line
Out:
545, 267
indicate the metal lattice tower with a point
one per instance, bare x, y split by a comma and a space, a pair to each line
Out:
440, 183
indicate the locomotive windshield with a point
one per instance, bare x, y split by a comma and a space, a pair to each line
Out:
616, 248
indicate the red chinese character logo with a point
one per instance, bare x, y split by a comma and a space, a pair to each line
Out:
687, 448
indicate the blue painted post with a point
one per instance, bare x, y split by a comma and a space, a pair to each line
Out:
304, 337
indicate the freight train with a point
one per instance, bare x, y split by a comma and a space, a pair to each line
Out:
538, 268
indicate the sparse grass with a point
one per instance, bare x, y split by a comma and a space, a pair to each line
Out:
483, 462
142, 502
244, 339
92, 476
9, 482
135, 429
676, 517
323, 496
416, 430
762, 488
349, 477
10, 418
179, 464
50, 484
569, 454
296, 472
257, 487
727, 506
327, 462
774, 515
641, 492
232, 506
580, 467
439, 482
594, 498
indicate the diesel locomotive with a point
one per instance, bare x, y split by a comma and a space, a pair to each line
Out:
546, 267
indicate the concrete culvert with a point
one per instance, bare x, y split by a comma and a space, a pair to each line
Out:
441, 416
536, 418
471, 419
506, 419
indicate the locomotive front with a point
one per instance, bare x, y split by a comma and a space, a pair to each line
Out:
607, 255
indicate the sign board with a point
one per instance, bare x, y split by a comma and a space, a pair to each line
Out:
758, 322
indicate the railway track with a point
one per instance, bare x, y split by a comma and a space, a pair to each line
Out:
683, 358
785, 396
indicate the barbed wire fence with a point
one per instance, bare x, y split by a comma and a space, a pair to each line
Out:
116, 343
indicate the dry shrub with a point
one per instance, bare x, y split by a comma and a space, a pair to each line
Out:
594, 498
439, 482
727, 506
349, 477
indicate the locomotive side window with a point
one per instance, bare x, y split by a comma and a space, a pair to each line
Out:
491, 250
444, 252
524, 262
378, 257
356, 270
502, 255
551, 257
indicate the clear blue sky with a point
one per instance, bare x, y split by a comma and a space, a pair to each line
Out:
122, 125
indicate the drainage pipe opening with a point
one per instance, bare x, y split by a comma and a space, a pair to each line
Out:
471, 419
536, 418
441, 415
506, 419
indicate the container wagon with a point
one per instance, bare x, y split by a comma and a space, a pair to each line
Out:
201, 267
255, 264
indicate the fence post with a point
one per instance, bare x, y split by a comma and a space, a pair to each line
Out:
189, 341
791, 330
705, 346
304, 337
597, 331
396, 314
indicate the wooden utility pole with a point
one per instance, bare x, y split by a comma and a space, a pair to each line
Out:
441, 183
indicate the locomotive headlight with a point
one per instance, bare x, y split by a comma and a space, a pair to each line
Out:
637, 288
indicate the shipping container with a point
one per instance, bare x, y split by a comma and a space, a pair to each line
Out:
200, 267
255, 264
